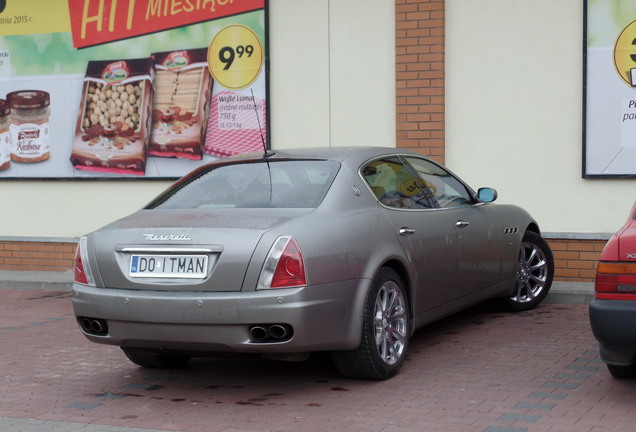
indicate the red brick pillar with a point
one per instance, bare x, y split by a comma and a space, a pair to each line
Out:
419, 62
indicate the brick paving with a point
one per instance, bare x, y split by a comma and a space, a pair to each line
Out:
478, 371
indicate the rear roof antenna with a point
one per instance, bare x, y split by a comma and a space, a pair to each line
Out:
260, 129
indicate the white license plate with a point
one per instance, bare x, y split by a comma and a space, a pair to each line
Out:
169, 266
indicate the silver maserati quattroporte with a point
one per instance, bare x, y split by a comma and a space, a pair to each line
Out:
345, 250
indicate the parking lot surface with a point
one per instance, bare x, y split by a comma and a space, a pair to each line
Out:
480, 370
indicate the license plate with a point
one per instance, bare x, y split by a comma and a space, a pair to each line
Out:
169, 266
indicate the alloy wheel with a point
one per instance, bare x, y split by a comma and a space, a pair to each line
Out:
390, 322
532, 273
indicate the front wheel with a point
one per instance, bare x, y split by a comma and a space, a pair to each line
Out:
386, 329
535, 270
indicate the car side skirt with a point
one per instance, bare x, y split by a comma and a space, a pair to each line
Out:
501, 289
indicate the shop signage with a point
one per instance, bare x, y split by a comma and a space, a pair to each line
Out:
96, 22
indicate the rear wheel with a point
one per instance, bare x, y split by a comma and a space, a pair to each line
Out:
385, 332
535, 270
622, 371
157, 361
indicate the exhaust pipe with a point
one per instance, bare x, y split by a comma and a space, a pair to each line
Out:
94, 326
278, 331
270, 332
258, 333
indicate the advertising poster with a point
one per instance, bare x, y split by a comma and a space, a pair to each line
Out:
610, 122
96, 89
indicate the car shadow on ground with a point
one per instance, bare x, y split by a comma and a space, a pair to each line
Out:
230, 370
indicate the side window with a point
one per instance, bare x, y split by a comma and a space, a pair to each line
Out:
447, 190
395, 186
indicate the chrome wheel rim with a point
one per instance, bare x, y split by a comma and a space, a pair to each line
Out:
391, 323
532, 273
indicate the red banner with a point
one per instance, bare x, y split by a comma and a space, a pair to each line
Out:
95, 22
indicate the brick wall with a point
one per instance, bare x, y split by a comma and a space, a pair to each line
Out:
419, 43
575, 260
36, 256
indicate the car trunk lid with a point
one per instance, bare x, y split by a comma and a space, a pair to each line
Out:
198, 250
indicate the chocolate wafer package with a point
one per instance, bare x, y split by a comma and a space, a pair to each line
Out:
181, 102
113, 125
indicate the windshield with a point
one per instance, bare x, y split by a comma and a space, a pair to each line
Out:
261, 184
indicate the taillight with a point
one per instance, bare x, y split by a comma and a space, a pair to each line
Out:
284, 266
615, 281
83, 274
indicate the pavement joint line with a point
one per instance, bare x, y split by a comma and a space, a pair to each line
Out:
543, 395
520, 417
579, 376
582, 368
110, 395
588, 360
504, 429
537, 406
32, 324
84, 405
552, 384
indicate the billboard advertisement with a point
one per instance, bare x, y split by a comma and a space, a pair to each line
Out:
129, 89
610, 103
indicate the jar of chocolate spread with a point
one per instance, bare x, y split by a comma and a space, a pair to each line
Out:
29, 125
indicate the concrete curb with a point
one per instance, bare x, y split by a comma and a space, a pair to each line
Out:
561, 292
571, 292
36, 280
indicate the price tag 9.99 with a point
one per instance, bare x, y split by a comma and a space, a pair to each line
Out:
235, 57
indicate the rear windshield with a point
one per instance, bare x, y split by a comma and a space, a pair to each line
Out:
273, 184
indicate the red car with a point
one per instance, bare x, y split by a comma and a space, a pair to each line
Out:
613, 310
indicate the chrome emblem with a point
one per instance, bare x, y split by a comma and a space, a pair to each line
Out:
169, 237
631, 256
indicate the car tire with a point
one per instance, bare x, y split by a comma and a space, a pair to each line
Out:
535, 270
386, 329
157, 361
622, 371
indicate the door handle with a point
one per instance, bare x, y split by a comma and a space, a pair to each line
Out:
462, 224
404, 231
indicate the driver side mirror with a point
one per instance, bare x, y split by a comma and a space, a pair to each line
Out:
486, 194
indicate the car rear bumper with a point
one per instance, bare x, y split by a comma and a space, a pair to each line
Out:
612, 323
322, 318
